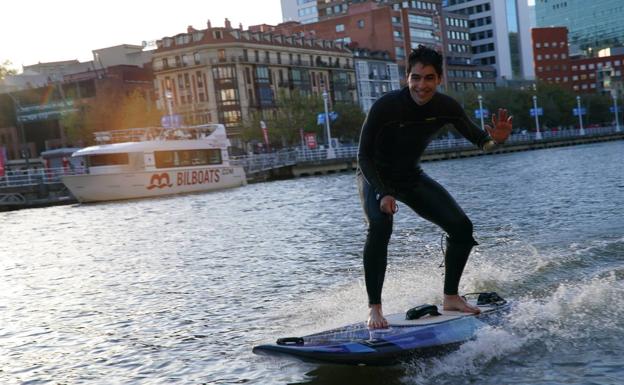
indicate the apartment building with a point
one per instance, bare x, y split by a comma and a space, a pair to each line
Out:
222, 74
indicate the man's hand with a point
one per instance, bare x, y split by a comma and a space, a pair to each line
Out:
502, 126
388, 205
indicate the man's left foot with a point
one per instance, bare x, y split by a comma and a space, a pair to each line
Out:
458, 303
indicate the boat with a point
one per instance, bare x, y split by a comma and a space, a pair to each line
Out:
154, 161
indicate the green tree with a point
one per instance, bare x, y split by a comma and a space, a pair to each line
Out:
349, 122
74, 125
597, 108
294, 112
6, 70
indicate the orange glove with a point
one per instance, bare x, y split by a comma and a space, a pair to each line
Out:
502, 126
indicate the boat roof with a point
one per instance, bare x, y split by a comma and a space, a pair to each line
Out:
217, 139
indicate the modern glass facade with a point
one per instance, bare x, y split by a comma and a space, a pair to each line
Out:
592, 25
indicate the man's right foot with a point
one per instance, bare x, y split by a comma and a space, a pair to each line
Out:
376, 319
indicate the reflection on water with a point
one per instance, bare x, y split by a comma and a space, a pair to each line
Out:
179, 289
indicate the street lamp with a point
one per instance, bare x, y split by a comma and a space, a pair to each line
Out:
24, 150
615, 110
538, 134
580, 114
169, 97
330, 150
480, 98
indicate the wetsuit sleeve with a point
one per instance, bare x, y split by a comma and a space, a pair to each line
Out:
467, 127
366, 150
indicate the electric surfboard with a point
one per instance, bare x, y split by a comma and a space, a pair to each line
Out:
422, 331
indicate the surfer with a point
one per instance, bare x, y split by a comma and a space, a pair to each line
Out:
397, 129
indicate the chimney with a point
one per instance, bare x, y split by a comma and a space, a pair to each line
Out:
228, 25
209, 25
240, 26
190, 29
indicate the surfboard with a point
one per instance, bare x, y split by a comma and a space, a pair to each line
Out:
421, 331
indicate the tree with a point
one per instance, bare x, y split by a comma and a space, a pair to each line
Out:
74, 125
294, 112
6, 70
349, 122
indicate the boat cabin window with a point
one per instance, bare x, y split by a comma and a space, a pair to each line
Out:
186, 158
108, 159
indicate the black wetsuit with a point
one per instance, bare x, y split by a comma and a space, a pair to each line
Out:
394, 137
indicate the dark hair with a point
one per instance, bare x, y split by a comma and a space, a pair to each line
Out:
425, 56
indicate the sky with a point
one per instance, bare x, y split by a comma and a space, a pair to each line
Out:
33, 31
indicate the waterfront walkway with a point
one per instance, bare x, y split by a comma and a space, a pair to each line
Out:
303, 162
44, 187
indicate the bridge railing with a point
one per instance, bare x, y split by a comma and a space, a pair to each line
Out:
37, 176
264, 162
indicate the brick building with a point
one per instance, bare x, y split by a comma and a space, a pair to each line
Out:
396, 27
553, 64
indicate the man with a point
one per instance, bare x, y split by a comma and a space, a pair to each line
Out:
398, 128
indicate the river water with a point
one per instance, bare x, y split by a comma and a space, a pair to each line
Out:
179, 289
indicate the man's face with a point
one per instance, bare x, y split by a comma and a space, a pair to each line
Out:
423, 81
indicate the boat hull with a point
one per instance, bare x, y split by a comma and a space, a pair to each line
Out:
144, 184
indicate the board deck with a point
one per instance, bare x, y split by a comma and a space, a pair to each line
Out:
357, 345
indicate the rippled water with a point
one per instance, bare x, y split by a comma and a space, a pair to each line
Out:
178, 290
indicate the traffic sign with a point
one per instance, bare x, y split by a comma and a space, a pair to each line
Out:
612, 109
477, 112
540, 111
575, 111
171, 121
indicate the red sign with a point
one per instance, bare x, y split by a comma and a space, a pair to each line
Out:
310, 139
265, 132
2, 160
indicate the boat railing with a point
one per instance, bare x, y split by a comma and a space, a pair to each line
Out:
154, 133
32, 177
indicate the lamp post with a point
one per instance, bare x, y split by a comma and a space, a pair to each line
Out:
615, 110
169, 97
580, 114
480, 99
25, 151
330, 150
538, 134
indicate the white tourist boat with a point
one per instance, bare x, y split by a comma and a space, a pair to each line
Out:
149, 162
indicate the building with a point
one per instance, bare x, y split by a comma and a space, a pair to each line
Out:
376, 74
495, 35
555, 65
550, 50
592, 25
397, 27
223, 74
303, 11
45, 94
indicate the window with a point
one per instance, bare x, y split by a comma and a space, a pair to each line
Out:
418, 19
185, 158
340, 28
197, 58
108, 160
360, 23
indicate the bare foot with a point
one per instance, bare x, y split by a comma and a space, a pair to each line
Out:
455, 302
376, 319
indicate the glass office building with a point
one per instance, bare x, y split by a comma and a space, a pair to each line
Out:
592, 25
